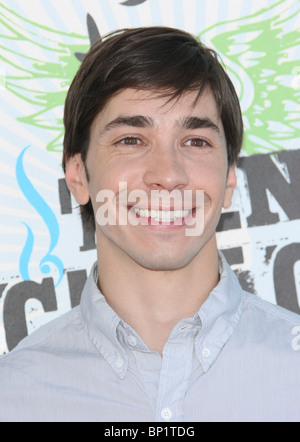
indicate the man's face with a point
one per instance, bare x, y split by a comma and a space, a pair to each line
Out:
149, 144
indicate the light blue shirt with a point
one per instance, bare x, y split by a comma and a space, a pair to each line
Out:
237, 360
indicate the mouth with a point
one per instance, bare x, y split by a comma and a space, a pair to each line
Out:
162, 218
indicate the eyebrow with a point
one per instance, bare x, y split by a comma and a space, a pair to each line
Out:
198, 123
142, 121
133, 121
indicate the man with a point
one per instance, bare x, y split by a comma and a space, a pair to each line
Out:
164, 331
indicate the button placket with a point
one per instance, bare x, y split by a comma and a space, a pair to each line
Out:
177, 364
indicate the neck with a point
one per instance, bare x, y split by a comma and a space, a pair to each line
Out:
152, 302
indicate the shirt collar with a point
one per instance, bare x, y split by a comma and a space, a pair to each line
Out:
217, 318
219, 315
101, 323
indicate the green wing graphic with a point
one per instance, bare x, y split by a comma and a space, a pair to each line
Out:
39, 65
262, 55
260, 51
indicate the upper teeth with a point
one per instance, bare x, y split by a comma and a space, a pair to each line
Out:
162, 215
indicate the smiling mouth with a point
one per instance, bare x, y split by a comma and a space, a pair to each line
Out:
162, 216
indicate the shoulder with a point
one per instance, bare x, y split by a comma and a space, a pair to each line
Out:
36, 348
270, 326
42, 367
48, 331
273, 312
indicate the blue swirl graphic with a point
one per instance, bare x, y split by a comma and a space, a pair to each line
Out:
38, 203
26, 254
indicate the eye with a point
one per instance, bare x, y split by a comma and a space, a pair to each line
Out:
196, 142
130, 141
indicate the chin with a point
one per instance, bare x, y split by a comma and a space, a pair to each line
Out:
164, 262
176, 258
163, 267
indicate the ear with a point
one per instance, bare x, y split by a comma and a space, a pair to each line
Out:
230, 186
77, 180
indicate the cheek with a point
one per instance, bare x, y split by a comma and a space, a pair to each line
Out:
212, 180
101, 175
108, 180
109, 174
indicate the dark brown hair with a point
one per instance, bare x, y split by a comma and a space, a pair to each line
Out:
161, 59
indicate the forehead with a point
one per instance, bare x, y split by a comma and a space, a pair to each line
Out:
159, 107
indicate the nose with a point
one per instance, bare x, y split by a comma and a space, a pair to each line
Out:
165, 170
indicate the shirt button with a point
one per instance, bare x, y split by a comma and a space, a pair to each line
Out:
166, 414
132, 341
206, 353
119, 363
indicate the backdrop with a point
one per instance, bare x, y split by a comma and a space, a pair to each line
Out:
45, 251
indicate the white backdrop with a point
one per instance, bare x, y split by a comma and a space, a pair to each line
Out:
45, 251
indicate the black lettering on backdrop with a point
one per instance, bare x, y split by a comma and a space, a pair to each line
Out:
89, 239
64, 197
14, 307
246, 279
2, 288
284, 279
229, 221
76, 281
263, 174
94, 35
132, 2
269, 253
234, 255
14, 317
